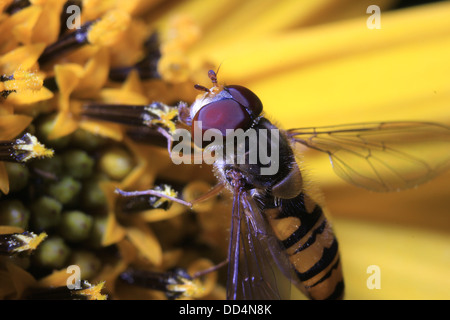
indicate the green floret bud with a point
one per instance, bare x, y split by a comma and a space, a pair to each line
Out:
116, 163
66, 190
49, 168
78, 163
92, 196
88, 262
87, 140
14, 213
18, 175
46, 213
52, 253
98, 232
75, 226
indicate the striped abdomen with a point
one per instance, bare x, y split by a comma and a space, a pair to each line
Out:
301, 226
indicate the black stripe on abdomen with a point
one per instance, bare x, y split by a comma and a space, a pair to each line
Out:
312, 237
296, 208
328, 254
338, 291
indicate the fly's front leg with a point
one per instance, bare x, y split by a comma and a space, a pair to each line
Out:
169, 138
169, 194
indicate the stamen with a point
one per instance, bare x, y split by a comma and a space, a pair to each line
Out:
65, 15
118, 113
86, 292
17, 5
175, 284
20, 242
66, 43
157, 202
165, 116
23, 149
154, 115
92, 292
21, 80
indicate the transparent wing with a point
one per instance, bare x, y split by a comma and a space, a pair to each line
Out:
382, 156
257, 263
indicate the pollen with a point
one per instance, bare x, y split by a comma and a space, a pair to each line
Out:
22, 80
165, 118
181, 35
30, 241
188, 288
168, 191
110, 29
93, 292
28, 147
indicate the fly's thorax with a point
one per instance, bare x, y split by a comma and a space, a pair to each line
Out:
263, 158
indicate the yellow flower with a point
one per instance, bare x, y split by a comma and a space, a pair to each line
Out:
312, 63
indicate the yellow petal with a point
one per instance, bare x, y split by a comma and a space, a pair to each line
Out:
67, 77
4, 179
20, 26
57, 278
131, 92
4, 5
130, 49
110, 29
23, 57
21, 279
133, 83
304, 48
122, 97
413, 262
93, 9
425, 206
10, 229
64, 124
108, 130
25, 99
113, 231
48, 25
141, 168
146, 242
95, 74
12, 125
160, 214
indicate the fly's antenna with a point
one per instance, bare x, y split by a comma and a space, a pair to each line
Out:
218, 68
201, 88
213, 76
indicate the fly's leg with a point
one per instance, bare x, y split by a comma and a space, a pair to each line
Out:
200, 278
171, 195
216, 267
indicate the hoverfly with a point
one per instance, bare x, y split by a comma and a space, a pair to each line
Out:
275, 224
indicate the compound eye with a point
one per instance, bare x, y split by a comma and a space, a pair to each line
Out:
246, 98
221, 115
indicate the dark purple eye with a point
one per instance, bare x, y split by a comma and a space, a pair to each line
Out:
221, 115
246, 98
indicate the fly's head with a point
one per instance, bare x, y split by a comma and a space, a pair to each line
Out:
222, 108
